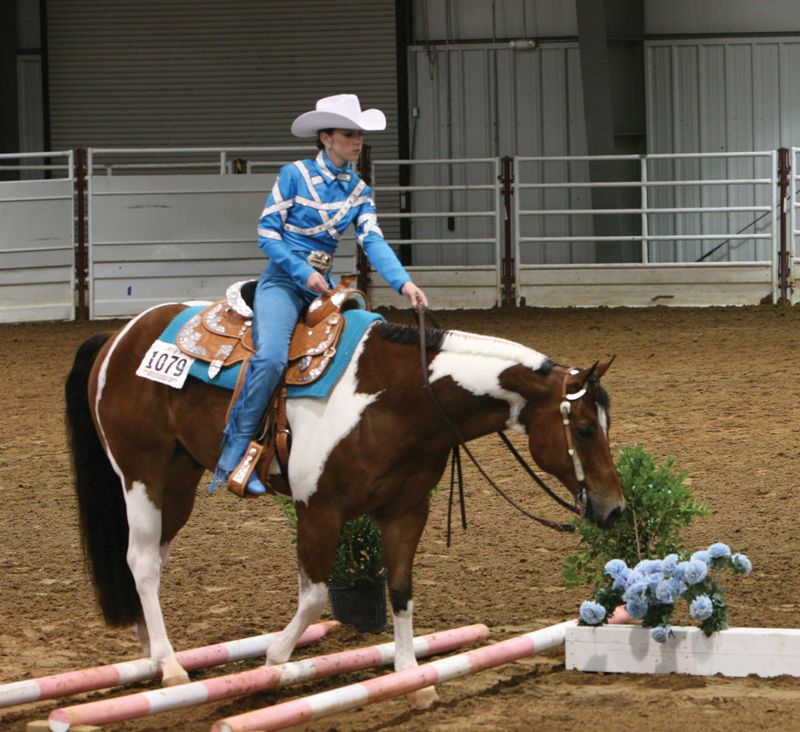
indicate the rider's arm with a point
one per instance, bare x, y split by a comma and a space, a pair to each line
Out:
377, 249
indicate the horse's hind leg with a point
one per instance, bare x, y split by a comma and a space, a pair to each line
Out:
401, 535
151, 531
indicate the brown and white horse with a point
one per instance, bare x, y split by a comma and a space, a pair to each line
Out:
140, 448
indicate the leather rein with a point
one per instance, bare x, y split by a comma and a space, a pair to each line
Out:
455, 468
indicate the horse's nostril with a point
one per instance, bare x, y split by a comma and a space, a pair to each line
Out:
613, 516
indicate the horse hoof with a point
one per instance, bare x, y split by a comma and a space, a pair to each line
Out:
424, 698
175, 680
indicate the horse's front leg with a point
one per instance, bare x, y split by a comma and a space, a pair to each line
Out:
401, 535
317, 537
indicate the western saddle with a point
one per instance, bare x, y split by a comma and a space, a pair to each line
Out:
222, 335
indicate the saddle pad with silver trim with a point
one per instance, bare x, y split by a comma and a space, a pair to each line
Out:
356, 324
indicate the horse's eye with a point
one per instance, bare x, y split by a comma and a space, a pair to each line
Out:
585, 432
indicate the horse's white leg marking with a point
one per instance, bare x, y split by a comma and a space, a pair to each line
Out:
404, 654
479, 375
145, 558
311, 602
319, 425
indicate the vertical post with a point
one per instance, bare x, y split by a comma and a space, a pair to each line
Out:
362, 263
507, 179
81, 258
643, 174
784, 263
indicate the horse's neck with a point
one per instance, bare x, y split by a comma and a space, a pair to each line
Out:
483, 404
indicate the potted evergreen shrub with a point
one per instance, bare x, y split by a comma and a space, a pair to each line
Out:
357, 586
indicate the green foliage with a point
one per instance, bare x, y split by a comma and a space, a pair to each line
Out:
659, 507
359, 554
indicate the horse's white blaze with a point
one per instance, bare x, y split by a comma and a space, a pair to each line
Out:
319, 425
480, 375
403, 622
602, 418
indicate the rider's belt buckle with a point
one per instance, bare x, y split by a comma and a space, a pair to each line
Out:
320, 261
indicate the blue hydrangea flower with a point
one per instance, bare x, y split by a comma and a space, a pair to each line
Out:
652, 580
636, 592
621, 580
741, 563
615, 567
669, 564
592, 613
666, 591
680, 571
701, 556
661, 633
695, 572
637, 610
719, 551
701, 608
648, 566
634, 578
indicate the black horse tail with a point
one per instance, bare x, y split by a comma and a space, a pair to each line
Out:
101, 503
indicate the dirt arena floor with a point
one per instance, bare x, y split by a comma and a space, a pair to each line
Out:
715, 388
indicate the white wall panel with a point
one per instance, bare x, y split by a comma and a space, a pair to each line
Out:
36, 251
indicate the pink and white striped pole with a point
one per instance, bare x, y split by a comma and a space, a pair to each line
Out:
315, 706
103, 677
108, 711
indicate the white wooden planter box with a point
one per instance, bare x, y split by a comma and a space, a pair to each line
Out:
733, 652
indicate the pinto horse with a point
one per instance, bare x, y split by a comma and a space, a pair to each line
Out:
139, 450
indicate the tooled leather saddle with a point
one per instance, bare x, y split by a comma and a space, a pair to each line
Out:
222, 335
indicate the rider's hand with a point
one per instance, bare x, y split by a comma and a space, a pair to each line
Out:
413, 294
317, 283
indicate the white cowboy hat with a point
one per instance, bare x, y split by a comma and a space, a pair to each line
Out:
342, 111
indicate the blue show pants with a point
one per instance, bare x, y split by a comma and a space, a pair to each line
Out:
277, 308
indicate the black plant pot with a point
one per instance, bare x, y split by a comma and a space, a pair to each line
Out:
363, 605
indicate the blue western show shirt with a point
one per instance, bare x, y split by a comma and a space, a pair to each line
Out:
311, 204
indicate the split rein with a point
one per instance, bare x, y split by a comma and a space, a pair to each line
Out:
455, 467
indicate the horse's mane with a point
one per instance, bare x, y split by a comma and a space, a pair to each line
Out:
457, 341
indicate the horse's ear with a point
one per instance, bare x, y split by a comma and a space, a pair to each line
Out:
603, 366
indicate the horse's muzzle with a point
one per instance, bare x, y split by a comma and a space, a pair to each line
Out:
604, 522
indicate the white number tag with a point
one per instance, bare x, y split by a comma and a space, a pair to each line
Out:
166, 363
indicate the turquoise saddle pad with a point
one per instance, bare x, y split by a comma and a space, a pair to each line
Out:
356, 323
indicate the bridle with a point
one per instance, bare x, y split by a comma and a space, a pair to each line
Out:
565, 409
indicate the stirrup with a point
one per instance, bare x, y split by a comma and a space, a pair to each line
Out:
239, 478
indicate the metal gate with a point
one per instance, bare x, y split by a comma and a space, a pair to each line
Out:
37, 245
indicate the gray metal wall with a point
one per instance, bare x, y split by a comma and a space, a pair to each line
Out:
499, 101
203, 72
720, 95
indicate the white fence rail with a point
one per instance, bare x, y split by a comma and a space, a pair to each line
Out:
178, 224
452, 215
37, 244
688, 229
